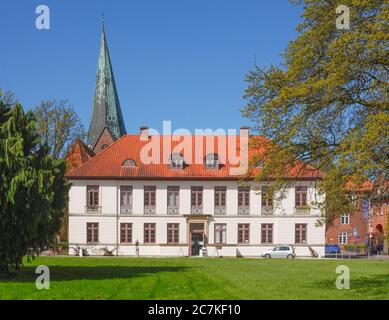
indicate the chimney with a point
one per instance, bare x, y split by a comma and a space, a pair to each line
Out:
244, 131
144, 133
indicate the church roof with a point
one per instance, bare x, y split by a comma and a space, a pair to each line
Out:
106, 107
78, 154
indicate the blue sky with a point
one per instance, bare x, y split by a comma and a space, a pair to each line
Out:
178, 60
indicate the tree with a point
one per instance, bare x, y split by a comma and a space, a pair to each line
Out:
7, 97
33, 189
327, 105
59, 125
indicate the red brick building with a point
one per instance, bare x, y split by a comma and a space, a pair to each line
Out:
354, 228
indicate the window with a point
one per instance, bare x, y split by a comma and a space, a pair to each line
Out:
220, 196
342, 238
173, 233
212, 161
92, 196
126, 232
104, 146
197, 196
173, 197
267, 233
300, 233
301, 196
243, 233
243, 200
220, 233
92, 232
149, 196
266, 198
176, 161
125, 199
129, 163
149, 233
345, 218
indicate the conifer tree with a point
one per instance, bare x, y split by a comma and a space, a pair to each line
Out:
33, 189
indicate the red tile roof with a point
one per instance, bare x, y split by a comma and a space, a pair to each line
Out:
108, 163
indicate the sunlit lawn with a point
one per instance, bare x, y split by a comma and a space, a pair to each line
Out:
199, 278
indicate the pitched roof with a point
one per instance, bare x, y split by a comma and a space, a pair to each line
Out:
78, 154
108, 164
106, 106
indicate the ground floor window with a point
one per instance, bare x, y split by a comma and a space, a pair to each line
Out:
220, 233
173, 232
149, 233
126, 232
92, 232
342, 238
300, 233
267, 233
243, 233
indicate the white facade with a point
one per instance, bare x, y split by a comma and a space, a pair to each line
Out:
109, 218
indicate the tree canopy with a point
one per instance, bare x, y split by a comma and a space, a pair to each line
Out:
59, 125
327, 104
33, 189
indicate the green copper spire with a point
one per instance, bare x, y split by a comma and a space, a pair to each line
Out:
106, 106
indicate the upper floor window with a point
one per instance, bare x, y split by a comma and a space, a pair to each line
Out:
92, 232
176, 161
125, 199
197, 196
129, 163
345, 218
92, 198
212, 161
301, 196
196, 199
173, 197
300, 233
243, 200
149, 196
220, 196
266, 197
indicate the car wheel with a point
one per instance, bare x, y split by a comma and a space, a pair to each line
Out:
267, 256
289, 256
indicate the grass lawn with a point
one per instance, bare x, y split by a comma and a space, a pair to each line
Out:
187, 278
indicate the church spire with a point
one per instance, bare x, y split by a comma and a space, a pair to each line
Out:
106, 107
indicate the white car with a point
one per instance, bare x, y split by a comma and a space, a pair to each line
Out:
280, 251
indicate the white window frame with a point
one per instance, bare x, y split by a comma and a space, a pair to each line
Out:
345, 218
342, 237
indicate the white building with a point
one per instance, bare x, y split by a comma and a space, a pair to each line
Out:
178, 204
171, 210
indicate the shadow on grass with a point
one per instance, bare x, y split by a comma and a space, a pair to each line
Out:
370, 286
68, 273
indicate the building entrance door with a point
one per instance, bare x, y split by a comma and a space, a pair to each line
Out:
197, 243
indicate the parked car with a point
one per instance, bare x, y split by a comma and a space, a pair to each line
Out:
332, 248
280, 251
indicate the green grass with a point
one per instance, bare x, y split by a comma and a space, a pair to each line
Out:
186, 278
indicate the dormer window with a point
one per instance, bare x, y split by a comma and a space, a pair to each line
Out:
129, 163
176, 161
212, 161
